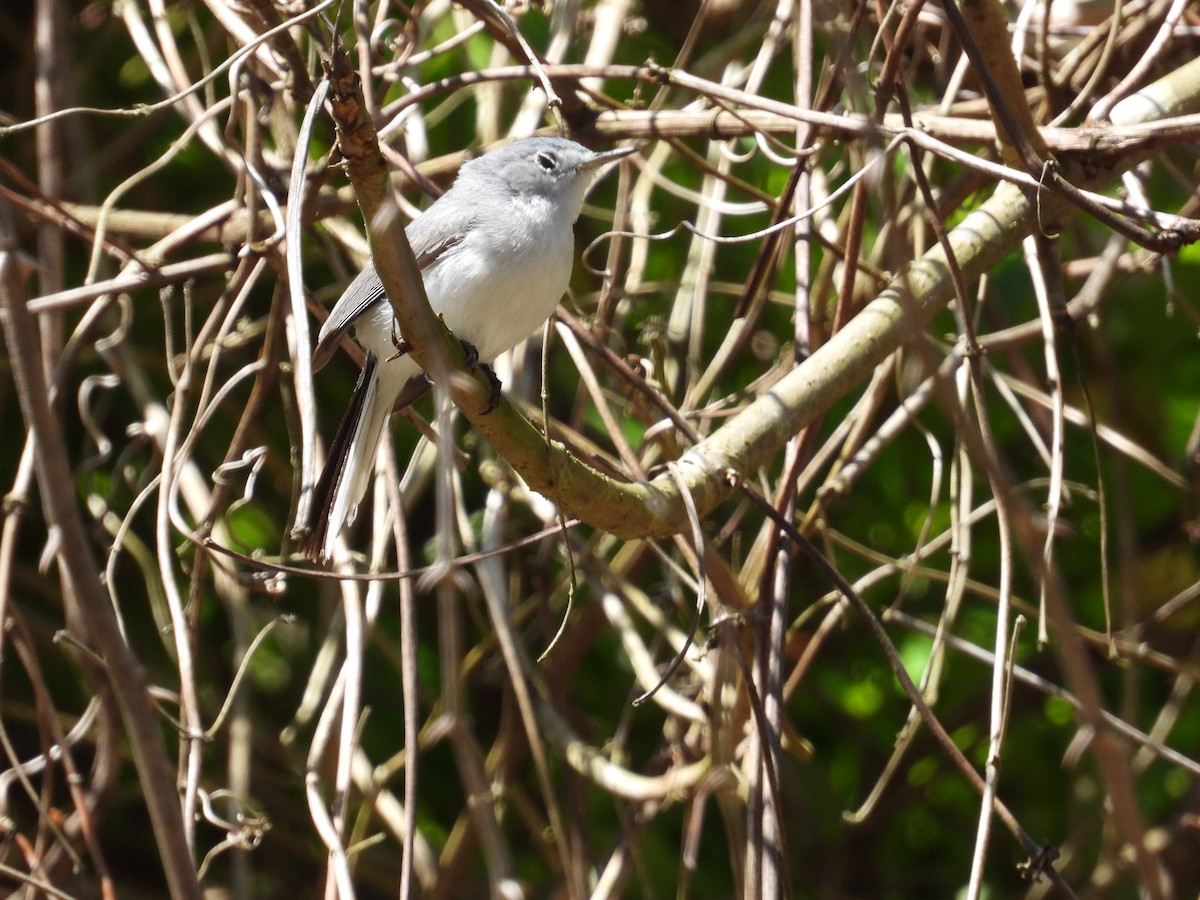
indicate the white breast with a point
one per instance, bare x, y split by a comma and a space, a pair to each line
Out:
502, 282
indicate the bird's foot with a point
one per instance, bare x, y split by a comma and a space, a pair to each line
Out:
473, 361
403, 347
471, 352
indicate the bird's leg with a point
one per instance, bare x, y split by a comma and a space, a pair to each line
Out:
472, 354
473, 361
403, 347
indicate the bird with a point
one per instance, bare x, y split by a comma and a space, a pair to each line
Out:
495, 253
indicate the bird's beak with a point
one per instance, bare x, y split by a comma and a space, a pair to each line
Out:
600, 159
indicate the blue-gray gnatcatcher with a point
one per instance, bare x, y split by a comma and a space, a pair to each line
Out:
495, 252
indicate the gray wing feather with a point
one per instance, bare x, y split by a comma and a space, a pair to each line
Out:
430, 237
364, 290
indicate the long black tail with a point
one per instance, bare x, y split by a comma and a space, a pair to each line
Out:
338, 464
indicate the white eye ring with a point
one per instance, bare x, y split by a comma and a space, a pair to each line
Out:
546, 160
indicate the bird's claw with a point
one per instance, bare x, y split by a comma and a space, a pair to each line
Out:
403, 347
494, 382
471, 352
473, 361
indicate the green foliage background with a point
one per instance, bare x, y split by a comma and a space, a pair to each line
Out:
1135, 356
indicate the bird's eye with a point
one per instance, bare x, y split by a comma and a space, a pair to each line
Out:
546, 160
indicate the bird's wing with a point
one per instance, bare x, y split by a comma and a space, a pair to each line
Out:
430, 236
364, 290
